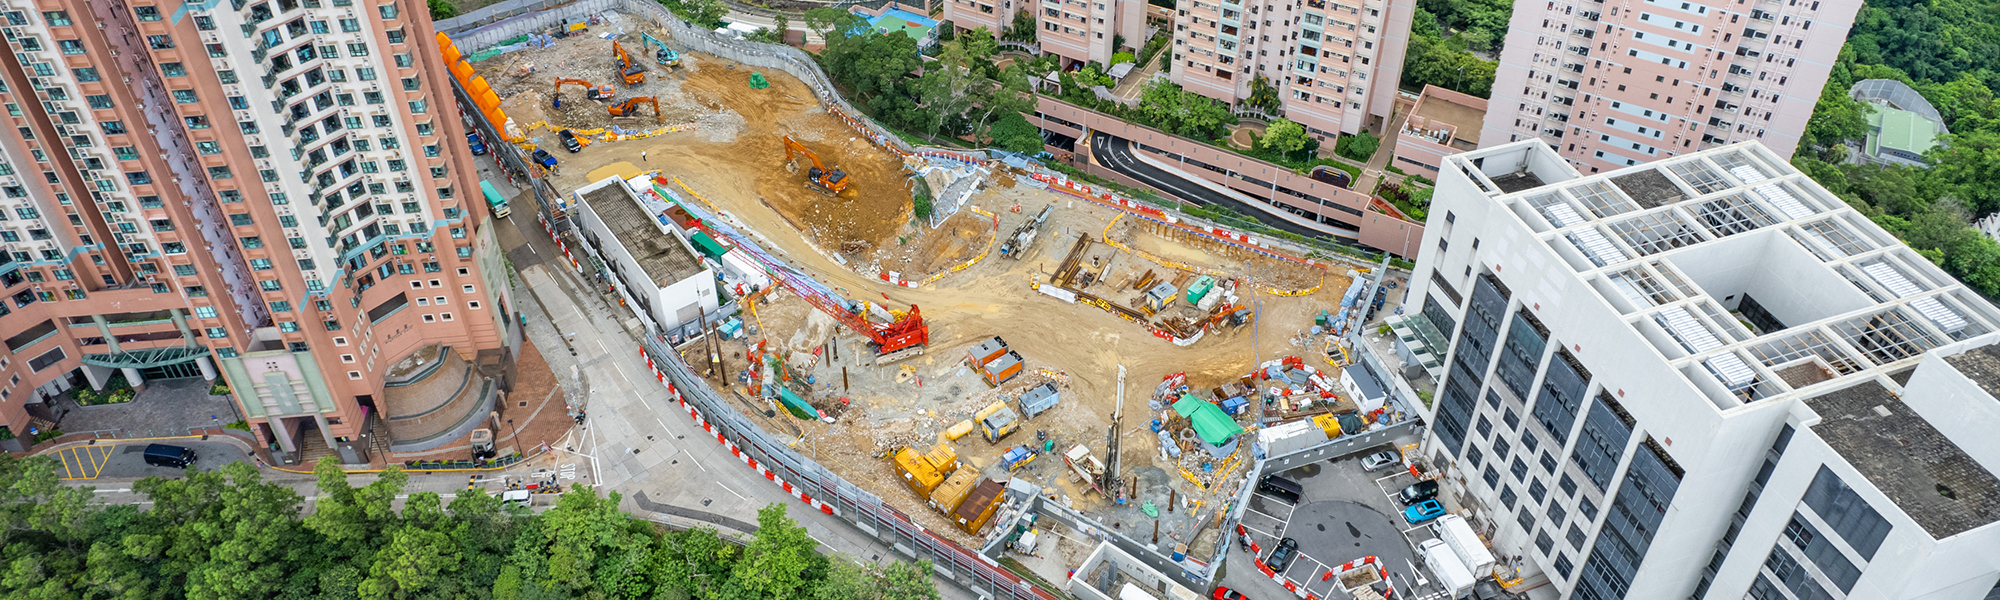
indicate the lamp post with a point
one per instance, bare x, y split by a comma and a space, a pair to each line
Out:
517, 436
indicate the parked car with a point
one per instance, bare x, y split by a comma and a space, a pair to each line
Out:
478, 145
570, 142
1381, 459
1223, 593
1418, 492
543, 158
162, 455
1283, 555
1423, 512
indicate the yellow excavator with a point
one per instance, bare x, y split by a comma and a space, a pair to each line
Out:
596, 92
629, 108
832, 181
633, 72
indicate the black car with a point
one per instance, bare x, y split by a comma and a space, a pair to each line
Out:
1283, 555
1418, 492
570, 142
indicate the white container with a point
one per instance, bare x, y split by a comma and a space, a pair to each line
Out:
1457, 534
1447, 567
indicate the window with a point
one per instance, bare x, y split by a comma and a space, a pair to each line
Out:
1508, 497
146, 13
184, 271
173, 69
56, 18
1588, 509
113, 128
1484, 427
1567, 485
1538, 491
388, 11
1491, 477
1846, 513
69, 46
1563, 565
205, 312
1544, 543
281, 306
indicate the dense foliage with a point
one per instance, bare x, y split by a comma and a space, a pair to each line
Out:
230, 534
702, 13
1436, 56
962, 93
1947, 50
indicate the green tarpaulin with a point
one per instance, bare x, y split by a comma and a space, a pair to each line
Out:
1210, 422
796, 405
708, 246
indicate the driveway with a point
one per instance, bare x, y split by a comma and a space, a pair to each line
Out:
1345, 515
1116, 154
166, 407
126, 460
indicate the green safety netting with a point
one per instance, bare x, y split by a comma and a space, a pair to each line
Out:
757, 81
796, 405
1210, 422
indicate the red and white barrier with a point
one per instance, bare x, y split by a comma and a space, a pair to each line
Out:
895, 279
733, 448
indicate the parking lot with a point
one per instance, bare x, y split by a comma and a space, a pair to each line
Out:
127, 460
1344, 515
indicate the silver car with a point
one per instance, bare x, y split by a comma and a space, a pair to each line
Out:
1379, 460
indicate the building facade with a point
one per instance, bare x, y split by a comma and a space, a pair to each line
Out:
1334, 63
1611, 86
1079, 31
273, 192
1705, 377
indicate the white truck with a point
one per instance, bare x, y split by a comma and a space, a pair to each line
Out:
1457, 534
1446, 566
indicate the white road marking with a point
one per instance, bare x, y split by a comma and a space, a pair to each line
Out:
732, 492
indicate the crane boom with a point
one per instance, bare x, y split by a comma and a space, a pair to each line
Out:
832, 181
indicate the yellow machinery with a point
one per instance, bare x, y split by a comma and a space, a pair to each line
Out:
832, 181
627, 108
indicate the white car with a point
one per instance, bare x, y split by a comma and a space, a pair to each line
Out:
1380, 460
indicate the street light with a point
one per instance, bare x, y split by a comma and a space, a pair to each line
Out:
517, 436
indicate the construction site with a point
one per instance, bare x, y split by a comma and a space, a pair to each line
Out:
1116, 360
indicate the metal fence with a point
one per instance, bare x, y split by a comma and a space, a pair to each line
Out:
845, 500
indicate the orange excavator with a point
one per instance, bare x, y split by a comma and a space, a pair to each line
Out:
596, 92
832, 181
630, 106
634, 73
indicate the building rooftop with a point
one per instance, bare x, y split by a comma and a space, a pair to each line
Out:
1460, 116
1746, 275
1981, 365
1930, 478
665, 258
1898, 129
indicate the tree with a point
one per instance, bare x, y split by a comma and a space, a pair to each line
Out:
821, 21
1263, 96
1014, 133
778, 563
1837, 119
442, 9
703, 13
1283, 136
1359, 146
1181, 112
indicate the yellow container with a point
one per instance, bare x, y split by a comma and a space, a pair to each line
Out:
959, 430
923, 473
952, 492
1328, 423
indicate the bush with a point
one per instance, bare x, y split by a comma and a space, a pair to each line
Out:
1122, 57
220, 388
920, 198
116, 391
238, 425
1419, 180
48, 435
1360, 146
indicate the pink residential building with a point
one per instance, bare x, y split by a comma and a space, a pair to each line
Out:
275, 193
1613, 86
1442, 123
1079, 31
1335, 63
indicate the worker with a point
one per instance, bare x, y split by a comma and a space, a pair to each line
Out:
642, 156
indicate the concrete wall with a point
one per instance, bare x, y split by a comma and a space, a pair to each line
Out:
1368, 227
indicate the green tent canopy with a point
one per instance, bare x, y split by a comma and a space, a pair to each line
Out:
796, 405
1210, 422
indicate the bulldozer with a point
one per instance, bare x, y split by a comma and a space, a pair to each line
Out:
596, 92
633, 72
832, 181
629, 108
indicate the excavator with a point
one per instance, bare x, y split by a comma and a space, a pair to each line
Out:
629, 108
832, 181
667, 57
597, 92
634, 73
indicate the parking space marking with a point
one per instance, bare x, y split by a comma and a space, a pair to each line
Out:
85, 462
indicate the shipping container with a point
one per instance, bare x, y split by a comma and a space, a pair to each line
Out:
1199, 288
979, 506
1466, 544
1002, 369
948, 494
923, 472
986, 351
1040, 399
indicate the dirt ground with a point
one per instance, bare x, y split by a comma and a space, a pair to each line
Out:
736, 152
1077, 346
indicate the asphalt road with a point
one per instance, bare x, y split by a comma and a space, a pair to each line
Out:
1115, 153
115, 460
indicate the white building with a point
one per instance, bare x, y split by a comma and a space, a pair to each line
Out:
1706, 377
643, 255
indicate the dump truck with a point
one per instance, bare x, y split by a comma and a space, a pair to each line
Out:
985, 352
1002, 369
1039, 399
979, 506
997, 420
949, 494
923, 472
1024, 236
